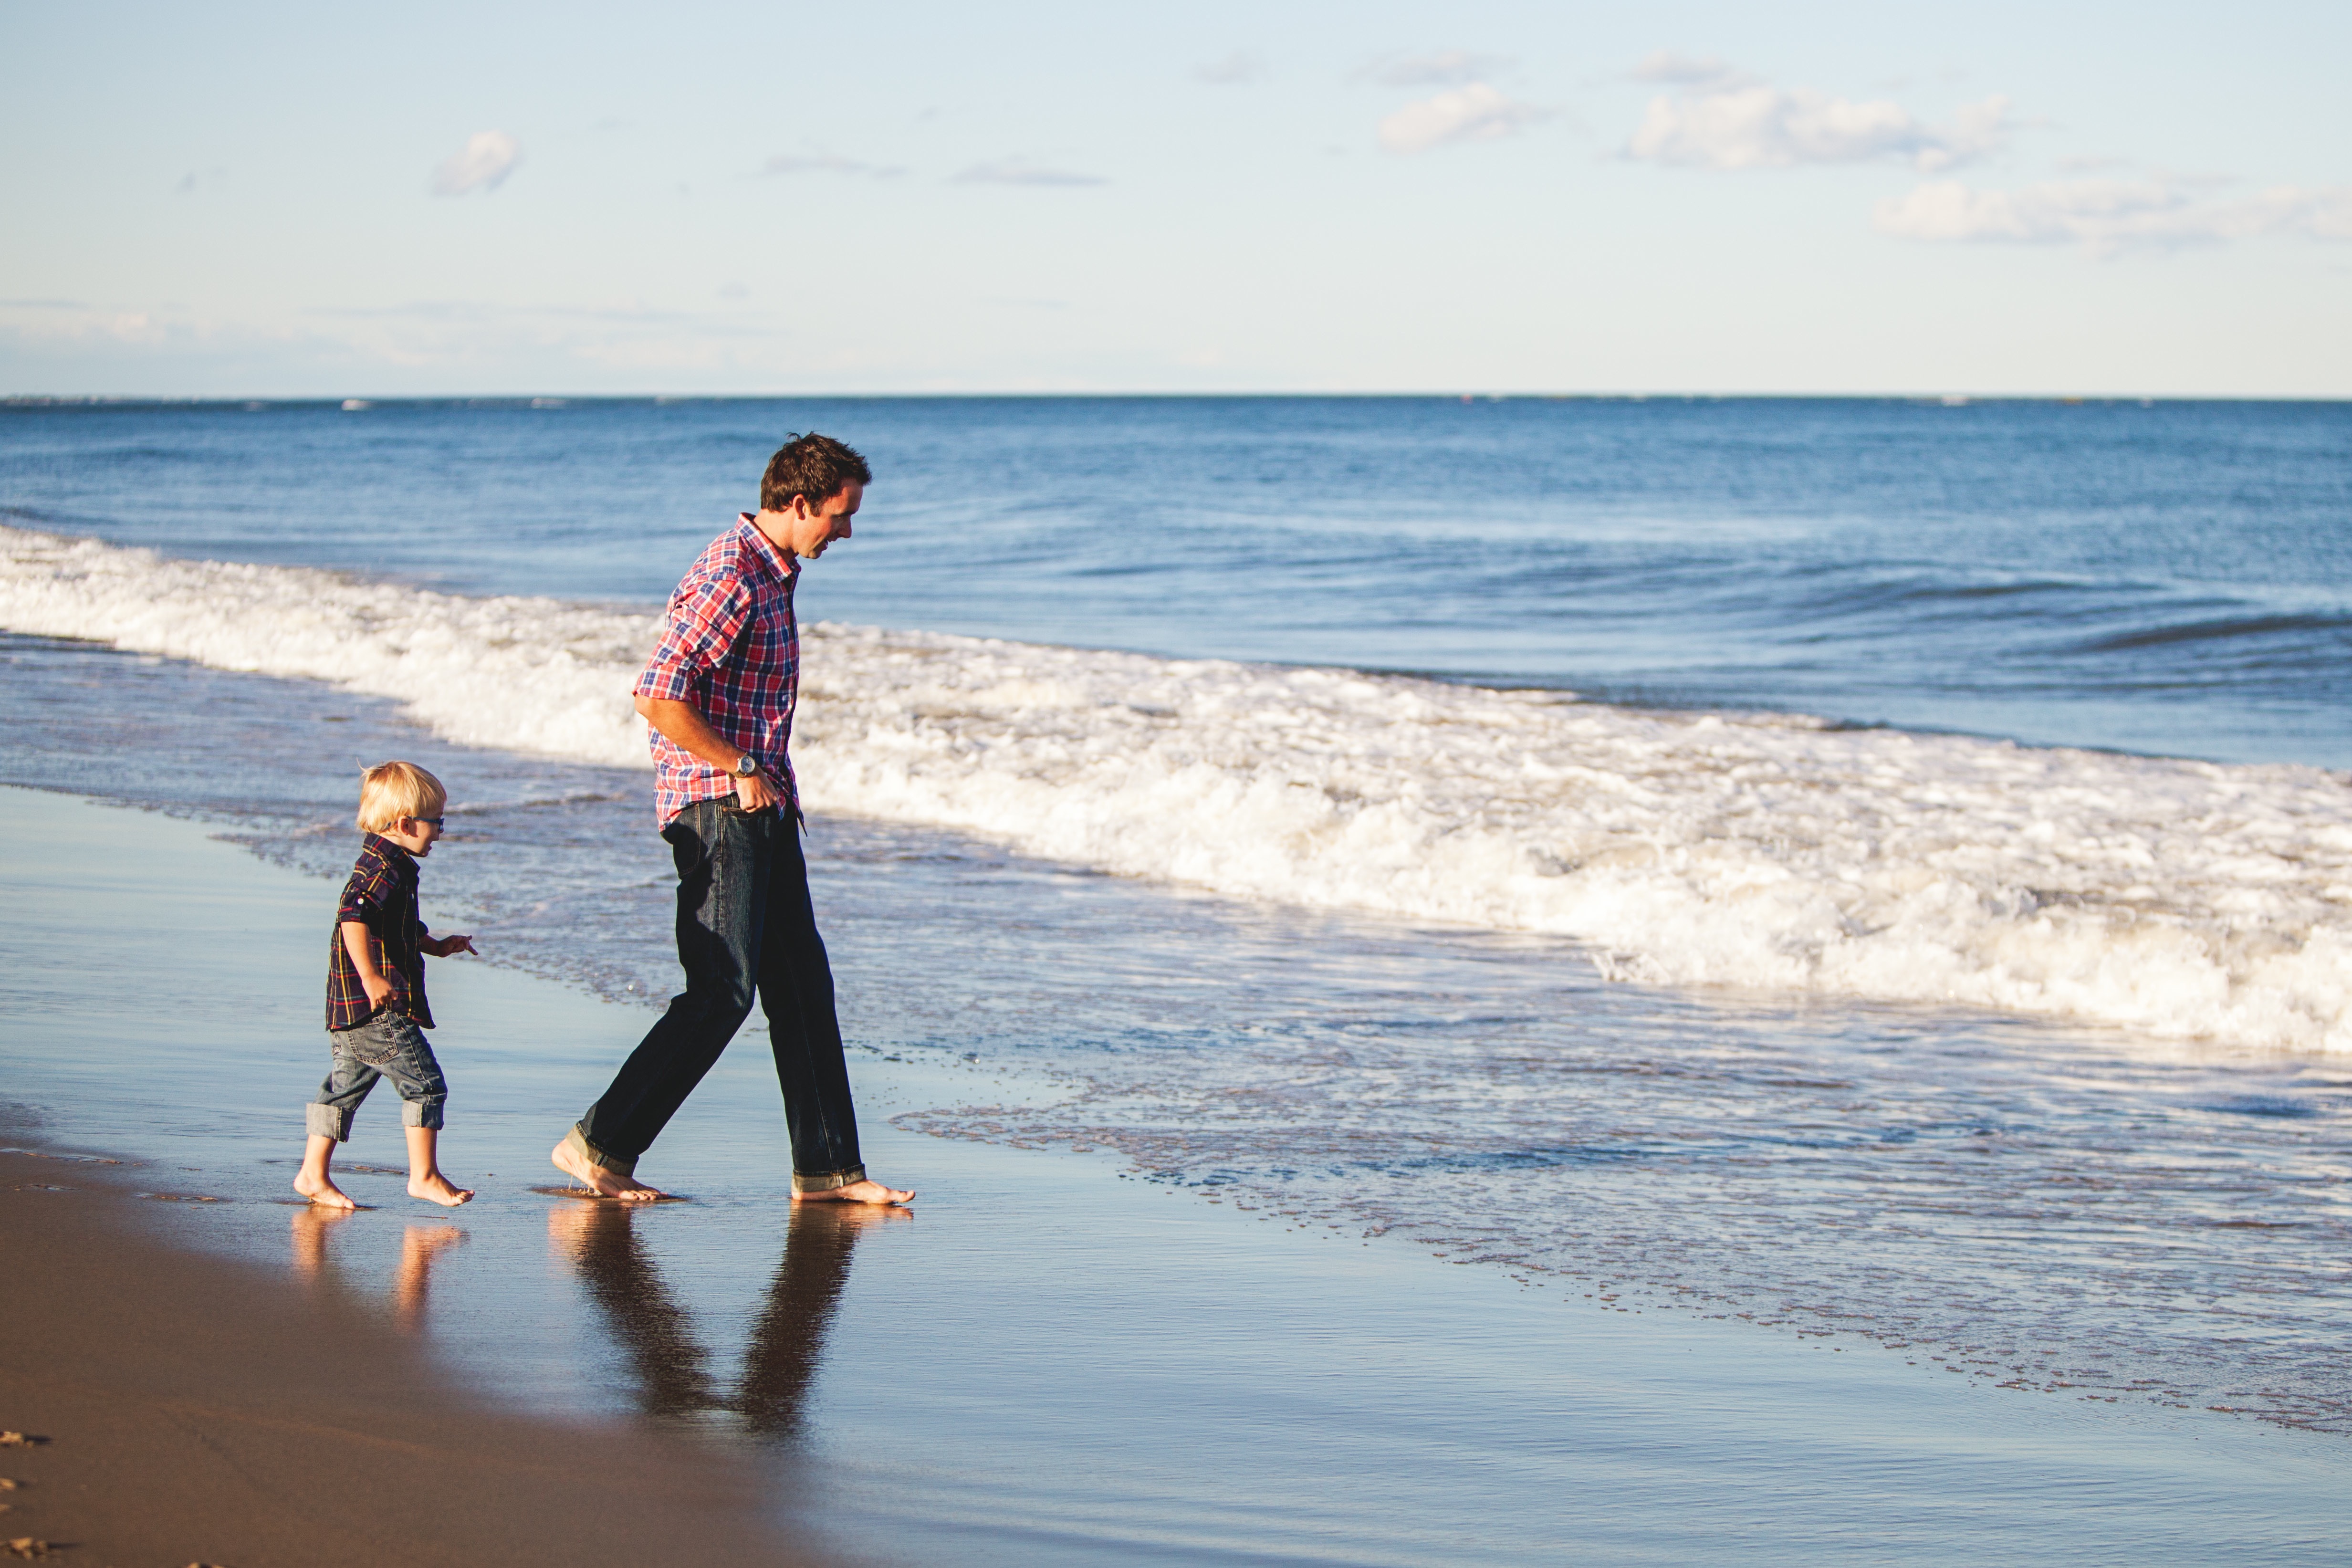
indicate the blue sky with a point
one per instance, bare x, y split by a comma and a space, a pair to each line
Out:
273, 200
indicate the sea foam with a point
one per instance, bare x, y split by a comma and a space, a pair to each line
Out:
2181, 900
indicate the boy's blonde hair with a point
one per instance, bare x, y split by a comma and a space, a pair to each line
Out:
389, 791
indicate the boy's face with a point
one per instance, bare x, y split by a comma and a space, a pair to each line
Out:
415, 833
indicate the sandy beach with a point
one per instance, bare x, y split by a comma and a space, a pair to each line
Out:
1048, 1361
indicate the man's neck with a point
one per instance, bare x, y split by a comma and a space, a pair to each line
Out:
773, 527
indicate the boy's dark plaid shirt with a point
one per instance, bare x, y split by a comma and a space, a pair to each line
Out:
382, 894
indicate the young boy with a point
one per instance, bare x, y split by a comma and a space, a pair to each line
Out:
376, 1014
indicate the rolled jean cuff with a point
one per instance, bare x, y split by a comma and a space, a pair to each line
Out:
327, 1121
421, 1113
577, 1141
829, 1181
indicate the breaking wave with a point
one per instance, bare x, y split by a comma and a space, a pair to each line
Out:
2181, 900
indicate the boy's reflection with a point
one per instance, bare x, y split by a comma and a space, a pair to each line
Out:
600, 1241
412, 1282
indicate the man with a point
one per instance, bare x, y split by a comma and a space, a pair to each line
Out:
718, 695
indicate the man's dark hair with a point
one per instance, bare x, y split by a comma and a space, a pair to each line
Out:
815, 466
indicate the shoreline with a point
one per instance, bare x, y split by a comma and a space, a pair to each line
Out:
1047, 1362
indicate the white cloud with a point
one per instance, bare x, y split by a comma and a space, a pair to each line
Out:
483, 164
1020, 171
1476, 113
1682, 70
73, 320
1749, 125
2110, 216
1445, 68
1235, 69
827, 164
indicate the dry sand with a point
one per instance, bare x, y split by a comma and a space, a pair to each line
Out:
190, 1409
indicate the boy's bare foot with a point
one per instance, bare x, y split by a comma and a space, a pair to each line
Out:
322, 1191
605, 1184
856, 1193
437, 1188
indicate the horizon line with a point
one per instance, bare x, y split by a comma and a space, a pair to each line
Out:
358, 400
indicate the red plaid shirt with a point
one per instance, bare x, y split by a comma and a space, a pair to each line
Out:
381, 896
731, 648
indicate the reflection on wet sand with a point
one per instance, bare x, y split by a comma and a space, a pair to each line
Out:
601, 1243
412, 1281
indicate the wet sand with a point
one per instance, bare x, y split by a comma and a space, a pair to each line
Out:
1048, 1362
194, 1408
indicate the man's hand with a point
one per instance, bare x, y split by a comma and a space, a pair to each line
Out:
756, 792
687, 729
442, 947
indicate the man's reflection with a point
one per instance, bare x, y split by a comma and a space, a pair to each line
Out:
601, 1242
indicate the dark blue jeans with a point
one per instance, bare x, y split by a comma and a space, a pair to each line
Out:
744, 927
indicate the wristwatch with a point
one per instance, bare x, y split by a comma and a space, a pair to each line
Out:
746, 766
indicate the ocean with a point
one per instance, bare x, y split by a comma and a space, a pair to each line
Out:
1869, 867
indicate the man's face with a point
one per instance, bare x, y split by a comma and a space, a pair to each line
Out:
809, 529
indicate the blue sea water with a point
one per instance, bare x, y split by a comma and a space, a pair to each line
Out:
2042, 1061
2171, 578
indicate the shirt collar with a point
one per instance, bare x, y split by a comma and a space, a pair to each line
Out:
391, 854
782, 563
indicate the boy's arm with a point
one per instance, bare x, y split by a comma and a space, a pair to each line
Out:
443, 946
355, 943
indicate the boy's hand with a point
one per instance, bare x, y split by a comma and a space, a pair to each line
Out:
378, 989
442, 947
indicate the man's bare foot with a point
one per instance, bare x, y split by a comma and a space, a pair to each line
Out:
605, 1184
856, 1193
322, 1191
437, 1188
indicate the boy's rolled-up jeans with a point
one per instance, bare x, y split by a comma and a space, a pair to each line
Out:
745, 927
387, 1045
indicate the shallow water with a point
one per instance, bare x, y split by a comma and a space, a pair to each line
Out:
2052, 1209
1046, 1361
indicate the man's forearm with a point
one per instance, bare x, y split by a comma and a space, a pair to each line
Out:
686, 727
